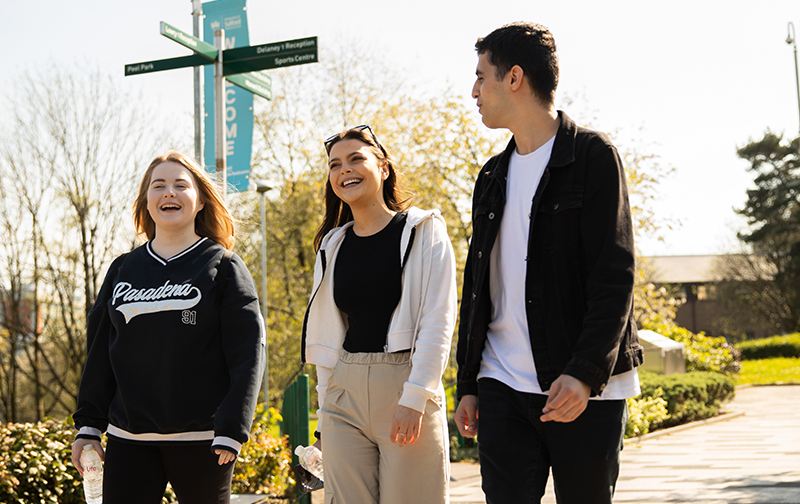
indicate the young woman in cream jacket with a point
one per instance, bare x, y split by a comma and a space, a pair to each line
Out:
378, 328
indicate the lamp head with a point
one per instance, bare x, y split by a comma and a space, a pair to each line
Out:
262, 186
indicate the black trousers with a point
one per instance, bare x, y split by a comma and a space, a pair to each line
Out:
517, 450
138, 474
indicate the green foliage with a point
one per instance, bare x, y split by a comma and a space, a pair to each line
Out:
265, 462
652, 305
692, 396
776, 346
461, 448
35, 464
646, 413
702, 353
772, 211
776, 370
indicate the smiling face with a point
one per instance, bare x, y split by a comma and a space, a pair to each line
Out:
173, 200
355, 174
491, 94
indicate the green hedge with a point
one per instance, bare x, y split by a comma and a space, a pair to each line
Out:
696, 395
767, 348
36, 466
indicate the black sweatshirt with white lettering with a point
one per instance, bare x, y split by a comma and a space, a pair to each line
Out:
175, 350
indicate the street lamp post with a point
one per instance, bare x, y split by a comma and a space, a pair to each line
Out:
262, 188
790, 39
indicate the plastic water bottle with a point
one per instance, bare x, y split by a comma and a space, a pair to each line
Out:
92, 475
311, 459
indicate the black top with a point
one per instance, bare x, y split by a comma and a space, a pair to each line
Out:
367, 284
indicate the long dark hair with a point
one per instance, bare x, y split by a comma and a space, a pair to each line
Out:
337, 212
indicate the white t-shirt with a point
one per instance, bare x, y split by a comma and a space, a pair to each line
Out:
507, 356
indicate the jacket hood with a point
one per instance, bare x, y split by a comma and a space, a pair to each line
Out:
417, 215
414, 217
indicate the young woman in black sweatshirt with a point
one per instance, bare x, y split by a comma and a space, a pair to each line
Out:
175, 348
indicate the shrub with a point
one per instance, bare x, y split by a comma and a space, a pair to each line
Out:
702, 353
264, 464
692, 396
776, 346
646, 413
35, 464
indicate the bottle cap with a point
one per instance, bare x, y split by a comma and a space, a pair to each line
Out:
299, 450
87, 447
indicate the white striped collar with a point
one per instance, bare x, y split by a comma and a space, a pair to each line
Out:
163, 261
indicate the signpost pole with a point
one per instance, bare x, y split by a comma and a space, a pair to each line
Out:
219, 115
197, 11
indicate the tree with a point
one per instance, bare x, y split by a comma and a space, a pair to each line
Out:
748, 301
71, 152
763, 283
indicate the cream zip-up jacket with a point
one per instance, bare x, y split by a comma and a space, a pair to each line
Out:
423, 321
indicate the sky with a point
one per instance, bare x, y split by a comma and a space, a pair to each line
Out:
687, 81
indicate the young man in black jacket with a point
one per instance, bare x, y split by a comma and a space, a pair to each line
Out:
547, 348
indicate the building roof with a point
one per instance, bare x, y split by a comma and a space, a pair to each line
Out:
681, 269
700, 269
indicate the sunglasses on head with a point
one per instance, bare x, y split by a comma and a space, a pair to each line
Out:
334, 138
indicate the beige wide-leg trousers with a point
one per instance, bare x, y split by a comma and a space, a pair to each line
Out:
362, 466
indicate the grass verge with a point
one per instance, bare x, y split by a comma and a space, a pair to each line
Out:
769, 371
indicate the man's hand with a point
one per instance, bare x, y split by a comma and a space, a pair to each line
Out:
406, 426
466, 416
567, 400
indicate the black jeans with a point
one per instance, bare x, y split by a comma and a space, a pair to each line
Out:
517, 450
137, 474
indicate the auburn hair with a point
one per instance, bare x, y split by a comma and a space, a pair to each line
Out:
213, 221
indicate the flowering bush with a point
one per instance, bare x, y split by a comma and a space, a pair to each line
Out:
35, 465
264, 464
646, 413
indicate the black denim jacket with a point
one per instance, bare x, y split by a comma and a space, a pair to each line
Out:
580, 264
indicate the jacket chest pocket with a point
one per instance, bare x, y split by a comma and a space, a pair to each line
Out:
485, 219
559, 218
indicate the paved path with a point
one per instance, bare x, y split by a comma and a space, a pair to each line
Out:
750, 456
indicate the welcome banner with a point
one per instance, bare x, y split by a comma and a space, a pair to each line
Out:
230, 15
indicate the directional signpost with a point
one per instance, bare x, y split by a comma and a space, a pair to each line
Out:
165, 64
239, 60
242, 66
190, 41
256, 82
267, 56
